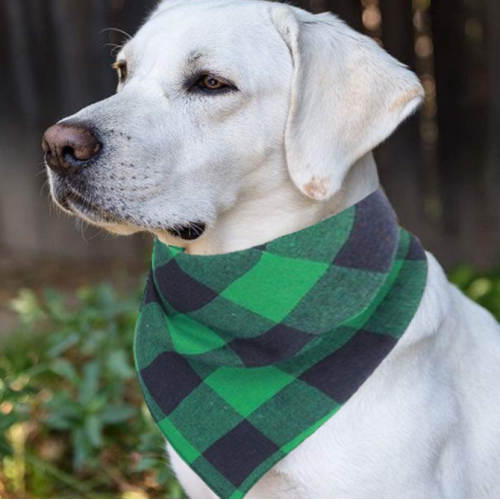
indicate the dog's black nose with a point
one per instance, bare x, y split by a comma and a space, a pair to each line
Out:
69, 146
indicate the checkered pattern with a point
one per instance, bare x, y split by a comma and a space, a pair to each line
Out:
242, 356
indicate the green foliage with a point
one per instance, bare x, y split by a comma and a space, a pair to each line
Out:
73, 422
482, 287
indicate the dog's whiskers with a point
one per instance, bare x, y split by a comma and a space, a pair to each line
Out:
115, 47
117, 30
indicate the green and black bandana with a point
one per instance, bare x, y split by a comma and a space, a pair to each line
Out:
242, 356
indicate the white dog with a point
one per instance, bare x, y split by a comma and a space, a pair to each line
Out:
239, 121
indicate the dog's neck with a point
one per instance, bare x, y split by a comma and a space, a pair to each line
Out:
271, 208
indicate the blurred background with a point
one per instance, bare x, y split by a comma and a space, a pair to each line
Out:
72, 422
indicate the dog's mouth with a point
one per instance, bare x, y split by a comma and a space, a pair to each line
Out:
79, 205
189, 232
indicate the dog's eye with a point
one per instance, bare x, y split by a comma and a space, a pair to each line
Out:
121, 69
210, 83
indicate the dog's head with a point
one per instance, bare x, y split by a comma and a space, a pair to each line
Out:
216, 98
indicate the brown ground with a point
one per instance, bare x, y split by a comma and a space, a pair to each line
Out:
22, 272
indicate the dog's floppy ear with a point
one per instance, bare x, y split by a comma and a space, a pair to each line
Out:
348, 95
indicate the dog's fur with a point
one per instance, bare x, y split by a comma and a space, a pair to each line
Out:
287, 148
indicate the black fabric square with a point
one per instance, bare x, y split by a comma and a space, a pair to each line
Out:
169, 379
180, 290
277, 344
239, 452
342, 373
150, 293
415, 252
374, 235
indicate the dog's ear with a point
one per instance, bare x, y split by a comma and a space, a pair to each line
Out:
348, 95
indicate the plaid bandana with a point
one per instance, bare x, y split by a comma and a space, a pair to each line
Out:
242, 356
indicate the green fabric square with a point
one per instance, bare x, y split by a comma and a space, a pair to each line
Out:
191, 337
247, 389
275, 285
231, 320
224, 356
363, 320
280, 422
180, 444
340, 294
411, 277
152, 335
162, 254
203, 424
320, 244
404, 245
219, 271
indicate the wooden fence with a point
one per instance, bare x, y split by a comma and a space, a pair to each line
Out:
441, 169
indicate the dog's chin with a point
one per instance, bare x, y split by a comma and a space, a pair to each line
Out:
76, 205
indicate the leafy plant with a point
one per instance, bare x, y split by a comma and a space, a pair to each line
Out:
482, 287
72, 418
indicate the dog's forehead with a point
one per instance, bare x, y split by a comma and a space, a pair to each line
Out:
222, 9
206, 28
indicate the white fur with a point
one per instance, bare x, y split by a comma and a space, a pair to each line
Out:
290, 148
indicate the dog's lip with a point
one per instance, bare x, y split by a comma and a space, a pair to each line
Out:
79, 205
